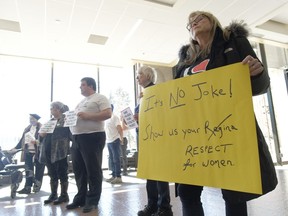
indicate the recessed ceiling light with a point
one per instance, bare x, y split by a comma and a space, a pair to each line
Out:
97, 39
10, 25
169, 3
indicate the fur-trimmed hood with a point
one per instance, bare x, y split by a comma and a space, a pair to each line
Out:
238, 29
235, 29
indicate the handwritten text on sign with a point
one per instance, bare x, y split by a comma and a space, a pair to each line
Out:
201, 130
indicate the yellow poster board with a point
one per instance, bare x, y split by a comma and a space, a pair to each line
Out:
200, 130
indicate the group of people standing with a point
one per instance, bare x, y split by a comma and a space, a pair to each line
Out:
88, 139
211, 46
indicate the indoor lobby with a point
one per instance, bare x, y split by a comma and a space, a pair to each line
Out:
48, 46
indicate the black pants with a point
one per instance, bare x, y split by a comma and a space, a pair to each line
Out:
30, 163
158, 194
87, 151
190, 196
58, 170
124, 154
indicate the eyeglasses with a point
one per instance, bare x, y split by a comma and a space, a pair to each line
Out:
198, 19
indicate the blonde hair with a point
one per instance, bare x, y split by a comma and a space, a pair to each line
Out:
194, 50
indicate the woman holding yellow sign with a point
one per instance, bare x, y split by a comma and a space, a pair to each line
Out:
212, 46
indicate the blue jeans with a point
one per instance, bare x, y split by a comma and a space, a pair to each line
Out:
115, 157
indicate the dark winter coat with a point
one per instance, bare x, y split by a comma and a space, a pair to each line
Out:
22, 145
228, 52
137, 108
57, 144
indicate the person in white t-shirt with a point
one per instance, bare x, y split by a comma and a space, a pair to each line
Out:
114, 139
87, 145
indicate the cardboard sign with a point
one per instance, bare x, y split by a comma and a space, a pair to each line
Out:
201, 130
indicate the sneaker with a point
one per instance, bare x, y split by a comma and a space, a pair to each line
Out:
110, 179
116, 180
147, 211
163, 212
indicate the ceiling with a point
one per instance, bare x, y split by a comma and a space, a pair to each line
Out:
118, 32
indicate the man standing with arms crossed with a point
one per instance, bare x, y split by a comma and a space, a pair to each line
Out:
88, 142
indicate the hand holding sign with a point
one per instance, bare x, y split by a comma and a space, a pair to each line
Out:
129, 118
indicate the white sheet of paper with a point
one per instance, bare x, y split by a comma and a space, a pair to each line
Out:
70, 119
29, 137
48, 127
129, 118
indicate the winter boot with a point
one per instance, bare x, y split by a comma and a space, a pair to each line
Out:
64, 195
25, 190
53, 196
37, 186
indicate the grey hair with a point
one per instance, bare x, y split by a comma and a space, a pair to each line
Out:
60, 106
149, 72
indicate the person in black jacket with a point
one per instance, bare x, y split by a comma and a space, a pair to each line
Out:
29, 144
54, 150
158, 192
212, 46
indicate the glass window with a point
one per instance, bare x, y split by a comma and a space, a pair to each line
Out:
67, 81
117, 84
276, 60
25, 89
280, 102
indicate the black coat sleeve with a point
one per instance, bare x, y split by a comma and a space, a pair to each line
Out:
261, 82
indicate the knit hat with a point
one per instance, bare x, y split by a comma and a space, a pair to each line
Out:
37, 117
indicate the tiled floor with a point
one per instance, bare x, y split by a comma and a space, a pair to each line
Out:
126, 199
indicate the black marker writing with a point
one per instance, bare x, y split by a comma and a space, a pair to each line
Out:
188, 164
150, 134
174, 101
217, 163
152, 103
213, 92
219, 128
206, 149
